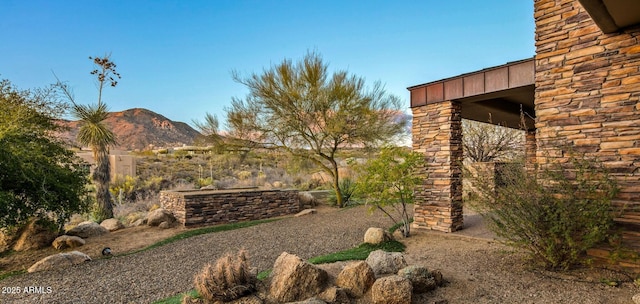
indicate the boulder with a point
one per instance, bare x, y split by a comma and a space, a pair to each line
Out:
87, 229
420, 277
334, 295
377, 236
112, 224
164, 225
34, 236
391, 290
158, 216
383, 262
356, 278
67, 241
293, 279
305, 212
59, 260
5, 240
139, 222
306, 200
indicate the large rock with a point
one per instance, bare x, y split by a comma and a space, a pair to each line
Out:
59, 260
391, 290
158, 216
293, 279
87, 229
34, 236
356, 278
112, 224
383, 262
67, 241
335, 295
377, 236
420, 277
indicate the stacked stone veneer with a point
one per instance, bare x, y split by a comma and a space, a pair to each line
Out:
203, 208
437, 133
587, 95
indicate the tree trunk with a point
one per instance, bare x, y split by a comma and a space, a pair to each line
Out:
102, 177
336, 185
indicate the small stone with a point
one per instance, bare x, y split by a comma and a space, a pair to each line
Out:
112, 224
306, 212
636, 299
376, 236
164, 225
158, 216
67, 241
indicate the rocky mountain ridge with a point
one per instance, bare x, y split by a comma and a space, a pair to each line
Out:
139, 129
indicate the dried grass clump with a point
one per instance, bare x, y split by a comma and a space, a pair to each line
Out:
229, 279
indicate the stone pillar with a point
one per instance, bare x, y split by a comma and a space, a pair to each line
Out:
437, 132
530, 150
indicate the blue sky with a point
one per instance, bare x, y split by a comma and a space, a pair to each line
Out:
176, 57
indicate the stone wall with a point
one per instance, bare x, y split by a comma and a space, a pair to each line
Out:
437, 133
203, 208
587, 96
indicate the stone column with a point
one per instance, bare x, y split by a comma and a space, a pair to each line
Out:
437, 132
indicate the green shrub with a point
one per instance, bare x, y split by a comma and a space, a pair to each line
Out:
555, 214
388, 183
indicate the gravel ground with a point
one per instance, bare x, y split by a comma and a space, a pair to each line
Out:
478, 270
168, 270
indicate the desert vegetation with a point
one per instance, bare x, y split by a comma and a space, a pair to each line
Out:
555, 213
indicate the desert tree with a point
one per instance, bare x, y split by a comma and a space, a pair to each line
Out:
39, 176
487, 142
303, 108
95, 133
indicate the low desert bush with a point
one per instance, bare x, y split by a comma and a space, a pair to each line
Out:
229, 279
555, 214
347, 188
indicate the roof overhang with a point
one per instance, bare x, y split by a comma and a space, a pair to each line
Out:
503, 94
613, 15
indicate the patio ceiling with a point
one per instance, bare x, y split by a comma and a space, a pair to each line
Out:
613, 15
498, 93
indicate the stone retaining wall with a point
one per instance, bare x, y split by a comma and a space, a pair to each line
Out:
211, 207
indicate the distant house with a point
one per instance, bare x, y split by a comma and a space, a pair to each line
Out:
582, 89
121, 163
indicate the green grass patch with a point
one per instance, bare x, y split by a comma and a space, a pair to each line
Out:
177, 299
357, 253
11, 273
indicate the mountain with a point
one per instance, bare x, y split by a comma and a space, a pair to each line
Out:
138, 128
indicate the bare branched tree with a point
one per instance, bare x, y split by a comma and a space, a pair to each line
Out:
487, 142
